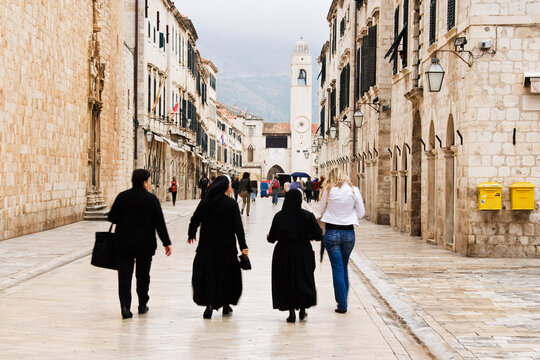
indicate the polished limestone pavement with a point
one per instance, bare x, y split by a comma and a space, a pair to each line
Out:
72, 312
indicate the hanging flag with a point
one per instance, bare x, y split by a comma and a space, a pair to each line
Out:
222, 140
175, 109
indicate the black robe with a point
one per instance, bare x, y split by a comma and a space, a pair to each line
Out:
216, 275
293, 263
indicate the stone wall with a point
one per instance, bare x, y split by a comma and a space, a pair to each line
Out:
44, 132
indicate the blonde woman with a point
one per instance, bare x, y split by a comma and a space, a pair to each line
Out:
341, 206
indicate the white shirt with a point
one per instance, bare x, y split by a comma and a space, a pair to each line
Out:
343, 206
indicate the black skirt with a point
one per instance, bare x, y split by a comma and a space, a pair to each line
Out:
216, 280
293, 280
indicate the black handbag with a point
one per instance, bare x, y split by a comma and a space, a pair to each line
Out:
245, 264
103, 254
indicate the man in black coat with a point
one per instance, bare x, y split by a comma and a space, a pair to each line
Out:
137, 214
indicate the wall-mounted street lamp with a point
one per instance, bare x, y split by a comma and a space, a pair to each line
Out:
358, 118
320, 140
314, 147
149, 136
180, 142
435, 75
306, 154
333, 132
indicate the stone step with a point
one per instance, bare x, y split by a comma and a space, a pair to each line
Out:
99, 214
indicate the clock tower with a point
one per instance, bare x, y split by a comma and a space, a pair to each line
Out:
300, 110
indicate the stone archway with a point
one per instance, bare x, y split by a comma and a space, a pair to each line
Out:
276, 169
416, 177
449, 189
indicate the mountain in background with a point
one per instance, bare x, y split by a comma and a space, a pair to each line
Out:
265, 96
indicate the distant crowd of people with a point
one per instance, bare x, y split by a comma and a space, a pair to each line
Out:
216, 274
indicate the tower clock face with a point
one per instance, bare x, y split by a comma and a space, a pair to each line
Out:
301, 125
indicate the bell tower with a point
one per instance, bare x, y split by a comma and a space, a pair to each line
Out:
300, 109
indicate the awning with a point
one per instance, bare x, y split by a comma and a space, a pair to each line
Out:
158, 138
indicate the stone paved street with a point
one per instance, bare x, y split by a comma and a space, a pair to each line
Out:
480, 308
72, 311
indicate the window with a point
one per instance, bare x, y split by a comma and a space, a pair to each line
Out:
432, 21
250, 153
154, 34
405, 33
321, 119
451, 15
149, 92
334, 36
154, 97
342, 27
225, 155
396, 40
162, 40
149, 30
157, 16
323, 71
344, 88
146, 8
251, 130
276, 142
332, 107
302, 77
368, 55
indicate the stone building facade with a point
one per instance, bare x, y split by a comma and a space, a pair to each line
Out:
437, 147
175, 98
63, 137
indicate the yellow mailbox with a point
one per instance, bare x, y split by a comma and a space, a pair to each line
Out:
489, 196
522, 194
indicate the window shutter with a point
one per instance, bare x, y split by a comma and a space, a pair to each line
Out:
364, 59
406, 34
372, 55
432, 21
451, 21
161, 40
322, 121
396, 31
357, 79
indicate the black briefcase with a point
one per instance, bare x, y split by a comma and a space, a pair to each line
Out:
103, 254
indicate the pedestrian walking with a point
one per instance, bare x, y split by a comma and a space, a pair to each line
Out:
316, 189
137, 214
216, 279
275, 189
236, 187
245, 191
203, 185
341, 206
308, 189
296, 184
293, 262
174, 190
254, 190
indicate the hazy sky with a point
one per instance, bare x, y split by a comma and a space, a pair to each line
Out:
248, 37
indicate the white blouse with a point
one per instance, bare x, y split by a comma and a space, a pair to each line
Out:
344, 206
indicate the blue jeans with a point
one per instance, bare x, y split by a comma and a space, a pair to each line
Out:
339, 245
275, 193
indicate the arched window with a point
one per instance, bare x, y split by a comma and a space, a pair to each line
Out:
251, 150
302, 77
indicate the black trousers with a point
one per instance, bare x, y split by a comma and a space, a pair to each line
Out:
173, 197
308, 195
126, 263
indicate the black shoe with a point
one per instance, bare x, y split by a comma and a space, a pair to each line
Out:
302, 314
208, 312
227, 310
143, 309
340, 311
291, 319
126, 313
242, 212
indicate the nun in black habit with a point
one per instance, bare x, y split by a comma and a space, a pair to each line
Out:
216, 280
293, 263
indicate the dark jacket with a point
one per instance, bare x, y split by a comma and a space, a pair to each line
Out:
245, 185
236, 186
137, 214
